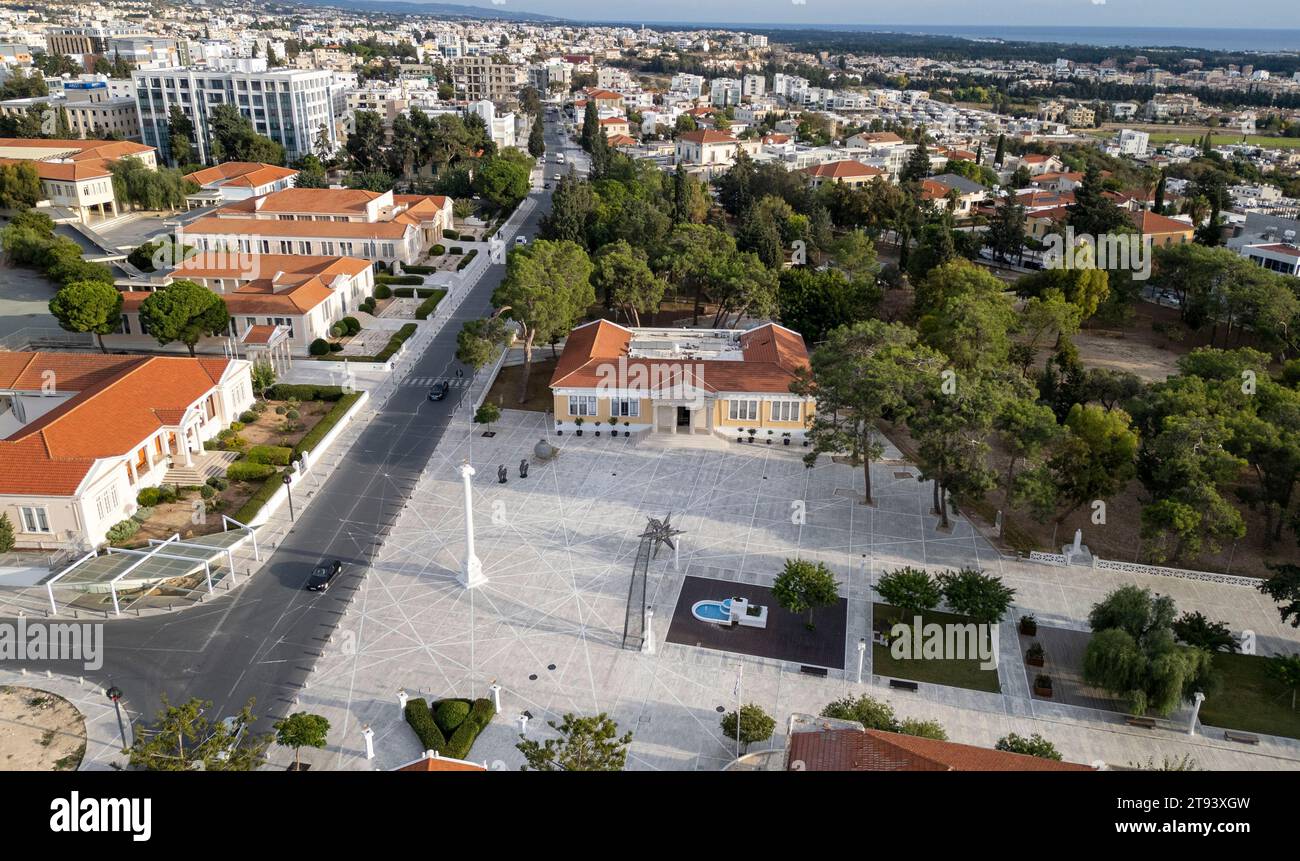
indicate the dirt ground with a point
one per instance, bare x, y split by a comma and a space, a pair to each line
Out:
39, 731
505, 391
171, 518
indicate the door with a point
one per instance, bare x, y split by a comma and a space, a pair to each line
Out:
683, 417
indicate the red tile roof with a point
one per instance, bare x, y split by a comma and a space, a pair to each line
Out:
772, 356
846, 169
120, 402
1149, 223
875, 750
244, 174
707, 136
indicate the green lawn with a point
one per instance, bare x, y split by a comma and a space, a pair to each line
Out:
956, 673
1248, 700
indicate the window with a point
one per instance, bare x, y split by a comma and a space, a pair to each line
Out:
785, 411
628, 407
745, 411
106, 503
35, 519
582, 405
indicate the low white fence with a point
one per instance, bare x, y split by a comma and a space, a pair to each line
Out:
1048, 558
1162, 571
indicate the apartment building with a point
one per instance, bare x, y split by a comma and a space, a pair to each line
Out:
487, 77
292, 107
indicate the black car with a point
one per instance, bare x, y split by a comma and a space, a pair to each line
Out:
439, 391
324, 575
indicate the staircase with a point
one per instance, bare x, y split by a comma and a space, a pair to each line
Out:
206, 465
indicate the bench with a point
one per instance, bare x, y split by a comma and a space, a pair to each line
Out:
1242, 737
1144, 722
812, 671
904, 685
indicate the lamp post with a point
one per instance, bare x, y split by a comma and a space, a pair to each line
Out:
288, 489
114, 693
862, 654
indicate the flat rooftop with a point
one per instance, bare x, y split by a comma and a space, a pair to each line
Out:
718, 345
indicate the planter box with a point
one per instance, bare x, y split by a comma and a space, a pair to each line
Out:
1036, 661
1043, 692
1028, 629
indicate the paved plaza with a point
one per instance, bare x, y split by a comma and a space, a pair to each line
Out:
557, 549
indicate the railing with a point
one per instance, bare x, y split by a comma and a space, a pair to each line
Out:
33, 337
1162, 571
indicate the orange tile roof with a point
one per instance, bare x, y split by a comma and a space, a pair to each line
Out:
842, 170
437, 763
772, 356
80, 149
125, 399
1149, 223
65, 171
244, 174
622, 140
211, 225
876, 750
707, 136
203, 265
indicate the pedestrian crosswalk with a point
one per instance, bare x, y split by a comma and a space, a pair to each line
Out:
425, 382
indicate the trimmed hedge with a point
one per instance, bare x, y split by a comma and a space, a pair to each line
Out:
428, 305
411, 292
423, 270
456, 249
383, 291
464, 261
249, 509
450, 234
303, 392
319, 347
313, 437
399, 279
352, 324
450, 714
275, 455
421, 720
247, 470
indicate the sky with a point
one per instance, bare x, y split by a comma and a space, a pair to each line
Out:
1070, 13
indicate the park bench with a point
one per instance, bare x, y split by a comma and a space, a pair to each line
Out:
1243, 737
904, 685
1144, 722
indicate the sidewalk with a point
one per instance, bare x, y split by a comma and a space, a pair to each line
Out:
103, 732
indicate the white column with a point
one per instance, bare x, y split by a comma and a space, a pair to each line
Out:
471, 572
495, 690
401, 701
648, 641
1196, 710
369, 735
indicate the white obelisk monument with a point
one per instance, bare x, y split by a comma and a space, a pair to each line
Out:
471, 572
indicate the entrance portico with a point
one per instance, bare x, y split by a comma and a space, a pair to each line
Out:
682, 416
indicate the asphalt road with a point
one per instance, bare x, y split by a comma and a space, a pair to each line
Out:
262, 640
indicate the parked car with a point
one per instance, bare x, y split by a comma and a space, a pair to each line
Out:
439, 391
324, 575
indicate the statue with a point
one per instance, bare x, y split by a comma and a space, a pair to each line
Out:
523, 468
501, 474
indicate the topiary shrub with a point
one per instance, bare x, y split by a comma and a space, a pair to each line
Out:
450, 714
248, 417
450, 234
458, 746
421, 720
148, 496
246, 470
438, 250
272, 454
319, 347
352, 324
383, 291
338, 330
456, 249
207, 491
336, 347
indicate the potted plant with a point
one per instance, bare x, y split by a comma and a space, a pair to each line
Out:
627, 428
1034, 655
559, 428
578, 422
1043, 685
751, 433
770, 432
1028, 626
597, 428
740, 435
785, 438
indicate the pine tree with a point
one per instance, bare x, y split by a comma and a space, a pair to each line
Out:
6, 534
1001, 151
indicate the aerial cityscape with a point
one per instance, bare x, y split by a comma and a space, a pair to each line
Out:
400, 386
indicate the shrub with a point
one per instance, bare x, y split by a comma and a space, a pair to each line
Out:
438, 250
248, 417
302, 392
456, 249
142, 514
421, 720
147, 496
450, 234
383, 291
352, 324
467, 237
269, 454
216, 482
464, 261
428, 306
327, 422
319, 347
166, 493
410, 280
245, 470
338, 330
482, 711
458, 746
249, 509
911, 590
336, 347
236, 426
449, 714
424, 270
207, 491
122, 531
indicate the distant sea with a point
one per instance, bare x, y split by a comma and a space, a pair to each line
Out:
1208, 38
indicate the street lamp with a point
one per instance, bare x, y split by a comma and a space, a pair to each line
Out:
114, 693
288, 481
862, 653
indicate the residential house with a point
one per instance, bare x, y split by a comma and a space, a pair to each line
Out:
1161, 230
84, 432
968, 194
691, 381
853, 174
706, 151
